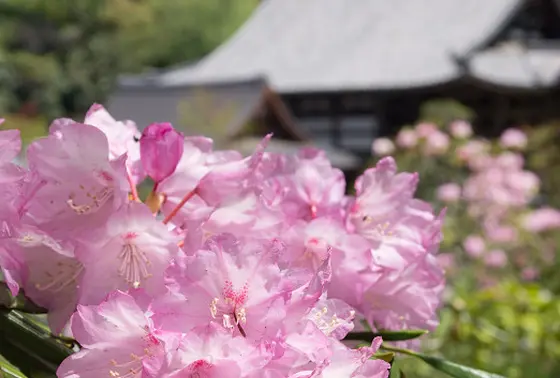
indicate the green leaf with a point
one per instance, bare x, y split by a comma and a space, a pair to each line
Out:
29, 346
396, 373
456, 370
387, 356
450, 368
7, 370
387, 335
19, 302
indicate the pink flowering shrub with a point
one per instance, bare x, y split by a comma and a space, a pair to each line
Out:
499, 233
233, 267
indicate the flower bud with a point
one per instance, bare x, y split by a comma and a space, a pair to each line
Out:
161, 147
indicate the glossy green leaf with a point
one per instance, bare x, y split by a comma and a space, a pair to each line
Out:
396, 373
7, 370
387, 335
450, 368
385, 356
456, 370
29, 346
20, 302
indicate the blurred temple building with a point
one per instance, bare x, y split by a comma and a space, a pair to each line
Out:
339, 73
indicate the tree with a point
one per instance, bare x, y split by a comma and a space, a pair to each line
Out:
58, 57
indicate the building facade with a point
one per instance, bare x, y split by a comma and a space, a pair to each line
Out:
341, 73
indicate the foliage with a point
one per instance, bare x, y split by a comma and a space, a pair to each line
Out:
501, 243
57, 57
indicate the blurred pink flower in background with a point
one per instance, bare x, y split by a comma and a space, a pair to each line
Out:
450, 192
473, 148
496, 185
479, 162
474, 245
437, 143
541, 220
496, 258
500, 233
407, 138
510, 160
446, 261
460, 129
425, 129
529, 274
382, 147
513, 138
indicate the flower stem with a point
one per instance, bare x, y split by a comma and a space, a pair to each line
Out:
133, 189
174, 212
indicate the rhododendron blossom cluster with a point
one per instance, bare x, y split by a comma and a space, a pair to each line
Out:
232, 267
493, 196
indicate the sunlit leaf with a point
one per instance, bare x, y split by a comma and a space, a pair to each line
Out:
450, 368
387, 335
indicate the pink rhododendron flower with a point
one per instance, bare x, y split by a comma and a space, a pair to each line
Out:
450, 192
407, 138
234, 266
211, 351
119, 340
496, 258
472, 149
460, 129
499, 233
133, 250
47, 271
474, 245
81, 185
123, 138
354, 363
529, 274
10, 146
513, 138
161, 148
403, 283
510, 160
437, 143
446, 261
424, 130
382, 147
541, 220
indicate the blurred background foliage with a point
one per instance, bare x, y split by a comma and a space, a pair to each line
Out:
493, 317
58, 57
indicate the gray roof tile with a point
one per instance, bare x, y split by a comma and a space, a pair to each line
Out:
316, 45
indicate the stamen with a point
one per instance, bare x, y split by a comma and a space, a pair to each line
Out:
95, 199
214, 307
65, 276
132, 372
375, 229
134, 265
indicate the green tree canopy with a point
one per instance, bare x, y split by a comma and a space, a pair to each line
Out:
58, 57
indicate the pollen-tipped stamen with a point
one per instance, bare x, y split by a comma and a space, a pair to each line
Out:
134, 265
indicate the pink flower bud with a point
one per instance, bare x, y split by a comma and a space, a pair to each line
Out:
161, 148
